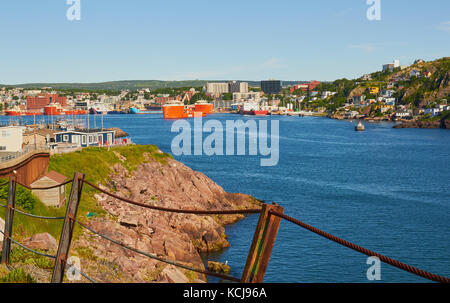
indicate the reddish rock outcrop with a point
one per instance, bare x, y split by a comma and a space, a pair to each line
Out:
43, 241
178, 237
425, 124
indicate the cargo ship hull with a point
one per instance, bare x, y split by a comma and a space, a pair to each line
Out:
174, 112
204, 108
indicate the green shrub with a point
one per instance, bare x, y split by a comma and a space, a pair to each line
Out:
19, 255
24, 198
17, 276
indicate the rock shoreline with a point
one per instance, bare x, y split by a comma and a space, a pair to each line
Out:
444, 124
172, 236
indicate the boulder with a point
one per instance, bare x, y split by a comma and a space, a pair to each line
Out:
43, 241
128, 220
218, 267
174, 275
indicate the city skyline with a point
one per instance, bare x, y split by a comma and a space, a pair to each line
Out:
287, 40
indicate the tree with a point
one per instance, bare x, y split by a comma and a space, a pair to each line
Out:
227, 96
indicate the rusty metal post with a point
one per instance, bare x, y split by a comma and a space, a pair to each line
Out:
6, 250
262, 244
68, 227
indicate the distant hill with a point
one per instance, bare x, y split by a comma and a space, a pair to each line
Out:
132, 84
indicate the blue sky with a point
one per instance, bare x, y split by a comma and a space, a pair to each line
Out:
214, 40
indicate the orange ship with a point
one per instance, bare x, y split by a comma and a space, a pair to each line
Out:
177, 110
33, 114
174, 110
53, 110
75, 112
13, 113
204, 107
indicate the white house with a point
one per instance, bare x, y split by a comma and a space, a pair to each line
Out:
402, 114
387, 93
389, 101
414, 73
432, 111
11, 138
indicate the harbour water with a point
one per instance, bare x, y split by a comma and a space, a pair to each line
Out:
385, 189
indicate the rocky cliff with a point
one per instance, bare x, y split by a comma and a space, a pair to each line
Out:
178, 237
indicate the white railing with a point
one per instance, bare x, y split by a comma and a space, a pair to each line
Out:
25, 150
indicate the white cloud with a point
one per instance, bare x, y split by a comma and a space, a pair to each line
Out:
444, 26
371, 47
365, 47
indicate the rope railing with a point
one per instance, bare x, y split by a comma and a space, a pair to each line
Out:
270, 212
370, 253
172, 210
48, 256
208, 273
27, 248
44, 188
31, 215
68, 266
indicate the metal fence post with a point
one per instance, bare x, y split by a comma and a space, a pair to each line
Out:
262, 244
6, 250
68, 227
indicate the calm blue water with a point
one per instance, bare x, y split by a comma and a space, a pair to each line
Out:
385, 189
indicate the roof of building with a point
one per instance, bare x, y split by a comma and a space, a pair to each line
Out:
43, 132
55, 176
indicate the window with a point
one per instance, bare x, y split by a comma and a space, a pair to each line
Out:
91, 139
100, 139
65, 138
83, 140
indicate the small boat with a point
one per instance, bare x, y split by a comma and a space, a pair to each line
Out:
134, 110
98, 108
360, 127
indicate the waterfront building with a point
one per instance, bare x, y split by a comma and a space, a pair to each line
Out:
249, 96
358, 99
237, 87
11, 138
86, 137
271, 86
433, 111
216, 88
40, 101
402, 114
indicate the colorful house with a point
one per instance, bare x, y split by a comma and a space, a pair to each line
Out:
86, 137
374, 90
